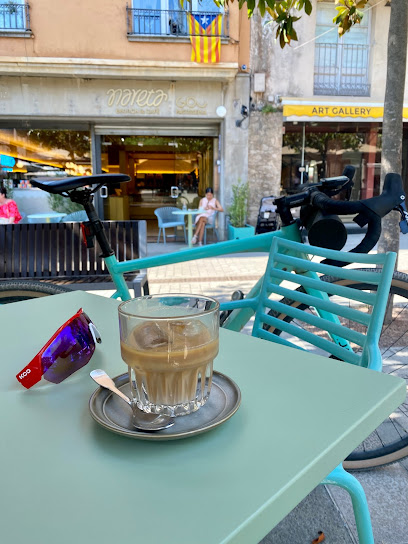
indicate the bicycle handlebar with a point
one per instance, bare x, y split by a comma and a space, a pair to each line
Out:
369, 211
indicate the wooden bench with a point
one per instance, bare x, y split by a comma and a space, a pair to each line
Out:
56, 252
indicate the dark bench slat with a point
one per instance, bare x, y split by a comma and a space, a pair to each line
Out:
76, 248
3, 253
68, 249
53, 250
24, 254
46, 236
10, 246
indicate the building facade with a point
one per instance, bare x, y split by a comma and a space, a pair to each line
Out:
320, 103
110, 87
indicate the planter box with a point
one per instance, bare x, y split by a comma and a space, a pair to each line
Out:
237, 233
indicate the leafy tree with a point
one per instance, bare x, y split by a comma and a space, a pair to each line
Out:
391, 156
285, 13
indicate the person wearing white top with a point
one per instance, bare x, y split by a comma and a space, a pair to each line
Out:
210, 205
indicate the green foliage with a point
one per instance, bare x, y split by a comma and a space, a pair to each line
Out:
282, 13
268, 108
348, 14
76, 143
62, 204
238, 209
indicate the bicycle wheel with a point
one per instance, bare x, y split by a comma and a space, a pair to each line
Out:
389, 442
18, 290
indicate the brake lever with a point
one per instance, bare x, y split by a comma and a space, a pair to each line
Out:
402, 209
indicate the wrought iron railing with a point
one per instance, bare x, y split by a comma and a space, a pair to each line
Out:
14, 17
342, 69
170, 22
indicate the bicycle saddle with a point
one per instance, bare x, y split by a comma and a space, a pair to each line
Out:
59, 186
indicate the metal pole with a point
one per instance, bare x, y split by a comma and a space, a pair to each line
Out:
96, 160
303, 152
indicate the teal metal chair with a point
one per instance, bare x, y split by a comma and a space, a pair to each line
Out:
167, 219
308, 290
78, 216
212, 225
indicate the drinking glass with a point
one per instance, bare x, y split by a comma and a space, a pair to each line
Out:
169, 343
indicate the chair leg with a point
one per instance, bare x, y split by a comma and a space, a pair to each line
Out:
185, 234
343, 479
158, 238
205, 236
164, 236
216, 234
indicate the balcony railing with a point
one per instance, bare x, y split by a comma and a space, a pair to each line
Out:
168, 22
342, 69
14, 17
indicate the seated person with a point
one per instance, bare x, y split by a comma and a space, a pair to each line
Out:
8, 209
210, 205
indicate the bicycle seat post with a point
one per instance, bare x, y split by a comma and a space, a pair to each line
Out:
85, 198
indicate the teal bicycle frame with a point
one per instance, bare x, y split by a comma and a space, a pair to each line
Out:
260, 243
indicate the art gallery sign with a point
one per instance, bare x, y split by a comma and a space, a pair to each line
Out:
317, 111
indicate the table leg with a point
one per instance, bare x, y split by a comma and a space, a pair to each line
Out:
189, 230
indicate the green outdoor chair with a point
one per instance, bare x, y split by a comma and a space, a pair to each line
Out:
309, 291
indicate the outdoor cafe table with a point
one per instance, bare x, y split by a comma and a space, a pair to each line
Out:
189, 214
48, 217
67, 480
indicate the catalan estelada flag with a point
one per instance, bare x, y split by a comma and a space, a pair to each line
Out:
205, 35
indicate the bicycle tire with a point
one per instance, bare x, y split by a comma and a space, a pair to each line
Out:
377, 449
19, 290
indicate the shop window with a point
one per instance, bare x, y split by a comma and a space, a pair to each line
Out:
14, 16
312, 151
341, 63
163, 18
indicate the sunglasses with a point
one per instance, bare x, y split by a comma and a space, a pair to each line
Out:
68, 350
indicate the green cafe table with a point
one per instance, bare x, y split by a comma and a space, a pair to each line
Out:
189, 214
48, 217
68, 480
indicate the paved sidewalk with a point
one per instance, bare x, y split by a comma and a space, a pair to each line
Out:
325, 509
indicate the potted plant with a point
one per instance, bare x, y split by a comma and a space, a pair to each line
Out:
238, 227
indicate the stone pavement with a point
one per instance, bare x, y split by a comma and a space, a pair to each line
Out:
326, 509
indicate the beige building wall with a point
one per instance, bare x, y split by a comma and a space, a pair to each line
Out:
98, 29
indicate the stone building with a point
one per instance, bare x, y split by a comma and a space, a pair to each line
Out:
317, 105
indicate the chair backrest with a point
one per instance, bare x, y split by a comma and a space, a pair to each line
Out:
80, 216
211, 220
165, 215
303, 287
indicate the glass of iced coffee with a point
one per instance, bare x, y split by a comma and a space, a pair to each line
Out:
169, 343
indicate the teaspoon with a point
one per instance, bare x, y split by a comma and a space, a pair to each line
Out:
141, 420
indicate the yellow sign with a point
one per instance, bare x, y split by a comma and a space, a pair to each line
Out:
363, 112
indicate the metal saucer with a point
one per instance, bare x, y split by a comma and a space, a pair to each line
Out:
109, 411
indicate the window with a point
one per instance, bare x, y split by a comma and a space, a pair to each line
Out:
341, 63
165, 17
13, 16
